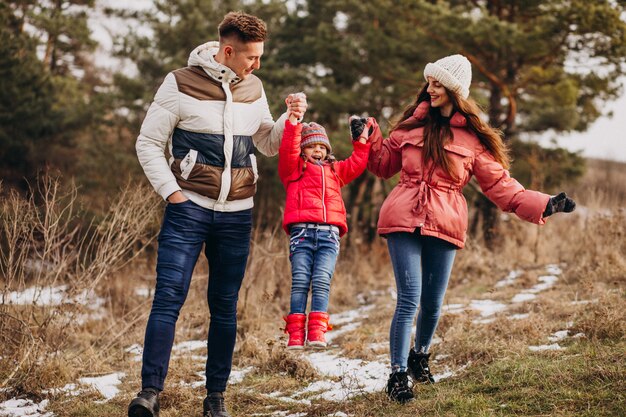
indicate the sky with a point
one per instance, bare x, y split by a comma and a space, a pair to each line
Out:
605, 139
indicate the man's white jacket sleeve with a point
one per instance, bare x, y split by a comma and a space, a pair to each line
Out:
267, 138
156, 130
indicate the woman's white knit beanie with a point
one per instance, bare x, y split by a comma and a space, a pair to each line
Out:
454, 72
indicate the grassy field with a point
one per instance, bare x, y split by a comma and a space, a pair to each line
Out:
534, 328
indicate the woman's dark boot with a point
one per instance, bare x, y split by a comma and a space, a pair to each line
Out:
418, 369
146, 404
398, 388
214, 405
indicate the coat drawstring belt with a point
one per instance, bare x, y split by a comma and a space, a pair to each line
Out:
424, 187
421, 197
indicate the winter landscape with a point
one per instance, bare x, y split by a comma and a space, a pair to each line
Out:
533, 322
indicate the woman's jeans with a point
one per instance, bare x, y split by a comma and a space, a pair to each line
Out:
313, 254
422, 266
226, 236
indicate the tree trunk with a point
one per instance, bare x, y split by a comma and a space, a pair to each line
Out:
487, 212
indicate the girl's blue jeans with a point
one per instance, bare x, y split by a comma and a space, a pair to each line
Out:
422, 266
313, 254
226, 239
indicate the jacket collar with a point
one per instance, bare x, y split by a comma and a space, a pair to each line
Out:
204, 56
457, 119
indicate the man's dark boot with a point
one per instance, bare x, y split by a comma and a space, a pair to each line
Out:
146, 404
418, 369
398, 388
214, 405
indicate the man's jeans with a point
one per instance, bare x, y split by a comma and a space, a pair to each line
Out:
313, 253
422, 266
186, 226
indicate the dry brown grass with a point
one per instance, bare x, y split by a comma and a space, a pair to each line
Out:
44, 347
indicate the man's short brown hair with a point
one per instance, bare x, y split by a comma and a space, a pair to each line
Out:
245, 27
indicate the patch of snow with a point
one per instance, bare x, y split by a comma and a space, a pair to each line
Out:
554, 346
584, 302
357, 376
143, 292
449, 373
520, 316
484, 321
553, 269
53, 296
351, 315
487, 307
189, 345
523, 296
393, 293
237, 375
338, 414
546, 281
24, 408
378, 346
453, 308
349, 321
69, 389
367, 298
106, 385
279, 396
509, 279
578, 335
558, 336
136, 350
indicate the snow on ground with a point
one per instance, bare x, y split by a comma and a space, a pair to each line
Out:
545, 282
54, 296
342, 378
24, 408
189, 345
453, 308
509, 279
348, 320
357, 376
143, 292
554, 346
105, 385
558, 336
487, 308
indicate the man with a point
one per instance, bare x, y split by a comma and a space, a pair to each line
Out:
212, 114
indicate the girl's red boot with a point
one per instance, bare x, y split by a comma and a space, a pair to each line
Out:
295, 329
318, 325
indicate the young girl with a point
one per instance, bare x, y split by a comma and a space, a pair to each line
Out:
440, 142
315, 218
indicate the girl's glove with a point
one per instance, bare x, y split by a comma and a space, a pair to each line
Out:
357, 124
560, 202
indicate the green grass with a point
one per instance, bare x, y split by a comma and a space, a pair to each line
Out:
586, 379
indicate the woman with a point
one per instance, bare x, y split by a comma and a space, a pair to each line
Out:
438, 144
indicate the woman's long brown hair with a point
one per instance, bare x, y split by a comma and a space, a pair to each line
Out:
436, 133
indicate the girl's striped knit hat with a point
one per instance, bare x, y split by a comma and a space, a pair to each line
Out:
312, 133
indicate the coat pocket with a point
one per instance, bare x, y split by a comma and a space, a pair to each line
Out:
461, 160
187, 164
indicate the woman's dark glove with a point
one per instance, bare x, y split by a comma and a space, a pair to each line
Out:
357, 124
558, 203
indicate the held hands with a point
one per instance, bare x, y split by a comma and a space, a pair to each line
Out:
557, 203
361, 128
296, 106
